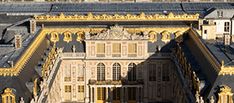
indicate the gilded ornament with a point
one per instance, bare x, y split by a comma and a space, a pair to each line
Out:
152, 36
54, 37
67, 36
8, 94
116, 17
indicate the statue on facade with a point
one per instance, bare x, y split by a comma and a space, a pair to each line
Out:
212, 99
117, 32
197, 95
73, 48
33, 101
87, 35
35, 88
21, 100
201, 100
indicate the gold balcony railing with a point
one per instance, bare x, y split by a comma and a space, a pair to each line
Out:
116, 82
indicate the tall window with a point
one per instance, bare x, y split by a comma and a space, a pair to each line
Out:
81, 88
101, 91
132, 72
132, 49
116, 49
67, 88
159, 73
165, 72
132, 93
67, 73
159, 90
116, 93
100, 49
80, 74
226, 27
152, 72
116, 71
100, 72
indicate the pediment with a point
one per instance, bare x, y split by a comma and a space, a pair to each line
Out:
116, 33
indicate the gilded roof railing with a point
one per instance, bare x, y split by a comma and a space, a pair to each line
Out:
118, 17
226, 70
15, 70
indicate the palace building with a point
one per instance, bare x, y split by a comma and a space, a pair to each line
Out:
116, 53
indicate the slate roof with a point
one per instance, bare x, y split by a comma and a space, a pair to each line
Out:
227, 14
200, 8
25, 7
221, 52
22, 83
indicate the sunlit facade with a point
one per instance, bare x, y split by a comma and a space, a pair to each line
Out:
101, 53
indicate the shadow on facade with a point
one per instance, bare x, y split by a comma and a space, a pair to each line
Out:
150, 80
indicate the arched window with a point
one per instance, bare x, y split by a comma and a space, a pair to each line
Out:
100, 72
132, 72
116, 71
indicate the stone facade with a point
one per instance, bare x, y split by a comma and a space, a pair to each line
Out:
143, 77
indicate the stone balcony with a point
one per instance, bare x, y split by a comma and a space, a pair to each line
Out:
116, 82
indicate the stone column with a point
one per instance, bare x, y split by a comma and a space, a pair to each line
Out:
95, 94
91, 95
107, 96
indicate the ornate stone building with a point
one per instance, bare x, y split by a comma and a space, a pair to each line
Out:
86, 53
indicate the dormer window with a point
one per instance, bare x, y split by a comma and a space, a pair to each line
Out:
220, 14
18, 41
8, 96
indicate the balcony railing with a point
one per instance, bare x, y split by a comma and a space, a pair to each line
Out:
72, 55
116, 82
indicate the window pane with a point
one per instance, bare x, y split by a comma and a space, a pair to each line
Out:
80, 88
165, 72
67, 88
116, 71
100, 48
116, 48
100, 72
67, 73
116, 93
152, 72
132, 48
226, 27
132, 72
101, 93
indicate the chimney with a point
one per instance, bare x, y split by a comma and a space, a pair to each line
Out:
226, 39
18, 41
32, 26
